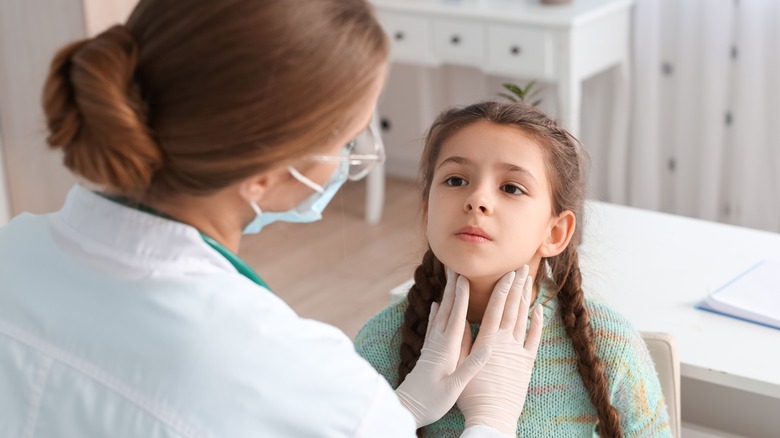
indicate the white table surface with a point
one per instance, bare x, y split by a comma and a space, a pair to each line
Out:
654, 267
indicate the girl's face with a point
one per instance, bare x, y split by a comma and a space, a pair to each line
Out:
489, 209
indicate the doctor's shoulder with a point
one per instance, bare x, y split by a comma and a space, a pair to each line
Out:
21, 237
293, 376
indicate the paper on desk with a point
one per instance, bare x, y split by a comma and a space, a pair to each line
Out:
753, 296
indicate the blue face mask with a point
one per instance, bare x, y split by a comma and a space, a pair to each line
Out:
310, 210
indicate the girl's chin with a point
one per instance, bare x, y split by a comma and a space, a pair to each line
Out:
483, 277
478, 272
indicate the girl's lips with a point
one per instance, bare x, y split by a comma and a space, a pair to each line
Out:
472, 238
473, 234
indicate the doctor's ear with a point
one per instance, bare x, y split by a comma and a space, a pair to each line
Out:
561, 230
254, 188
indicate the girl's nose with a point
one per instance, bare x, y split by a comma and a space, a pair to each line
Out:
478, 200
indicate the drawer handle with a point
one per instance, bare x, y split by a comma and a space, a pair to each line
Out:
455, 40
399, 36
515, 50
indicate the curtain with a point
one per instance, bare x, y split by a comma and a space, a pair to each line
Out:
705, 128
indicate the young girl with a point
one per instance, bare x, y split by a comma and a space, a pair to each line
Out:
503, 187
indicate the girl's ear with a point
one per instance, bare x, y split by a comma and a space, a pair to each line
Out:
560, 233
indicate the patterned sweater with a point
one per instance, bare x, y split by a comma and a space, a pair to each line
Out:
557, 404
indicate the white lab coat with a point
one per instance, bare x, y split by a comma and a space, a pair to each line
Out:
115, 322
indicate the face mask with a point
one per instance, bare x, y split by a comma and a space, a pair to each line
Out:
310, 210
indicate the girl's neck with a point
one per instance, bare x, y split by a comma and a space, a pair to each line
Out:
480, 290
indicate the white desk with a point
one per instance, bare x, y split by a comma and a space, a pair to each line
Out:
653, 267
563, 45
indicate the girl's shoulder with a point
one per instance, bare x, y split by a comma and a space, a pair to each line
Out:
604, 318
617, 340
635, 389
379, 341
385, 323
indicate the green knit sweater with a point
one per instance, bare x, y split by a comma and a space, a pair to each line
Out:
557, 404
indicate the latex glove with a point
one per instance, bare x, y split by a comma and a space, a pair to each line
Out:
495, 396
432, 387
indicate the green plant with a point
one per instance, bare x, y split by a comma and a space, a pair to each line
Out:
522, 94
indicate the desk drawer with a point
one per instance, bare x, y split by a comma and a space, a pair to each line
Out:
459, 41
409, 36
514, 50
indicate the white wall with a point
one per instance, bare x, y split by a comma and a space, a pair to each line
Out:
31, 31
101, 14
5, 204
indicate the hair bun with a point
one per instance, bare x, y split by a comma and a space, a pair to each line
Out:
95, 113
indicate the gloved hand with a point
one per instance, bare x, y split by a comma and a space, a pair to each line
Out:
431, 388
495, 396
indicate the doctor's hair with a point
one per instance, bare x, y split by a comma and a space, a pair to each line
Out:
190, 96
566, 163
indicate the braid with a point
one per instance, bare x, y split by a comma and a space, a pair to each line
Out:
571, 299
429, 281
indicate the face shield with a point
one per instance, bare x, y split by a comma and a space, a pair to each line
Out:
362, 154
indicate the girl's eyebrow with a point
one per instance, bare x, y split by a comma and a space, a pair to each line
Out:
509, 167
456, 160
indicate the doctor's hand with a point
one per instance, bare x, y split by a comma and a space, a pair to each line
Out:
495, 396
432, 387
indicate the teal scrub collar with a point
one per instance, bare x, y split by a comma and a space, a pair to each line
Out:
229, 255
235, 260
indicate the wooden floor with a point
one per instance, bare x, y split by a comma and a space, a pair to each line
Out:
339, 270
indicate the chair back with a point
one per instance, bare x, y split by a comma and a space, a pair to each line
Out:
663, 350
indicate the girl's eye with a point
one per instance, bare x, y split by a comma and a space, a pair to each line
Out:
513, 189
455, 181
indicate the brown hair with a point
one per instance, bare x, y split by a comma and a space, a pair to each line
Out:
192, 96
566, 162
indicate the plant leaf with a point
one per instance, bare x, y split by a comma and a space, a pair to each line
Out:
515, 89
528, 87
530, 91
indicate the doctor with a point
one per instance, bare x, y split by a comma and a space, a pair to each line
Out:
128, 314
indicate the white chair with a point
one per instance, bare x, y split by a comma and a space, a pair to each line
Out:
375, 194
663, 350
